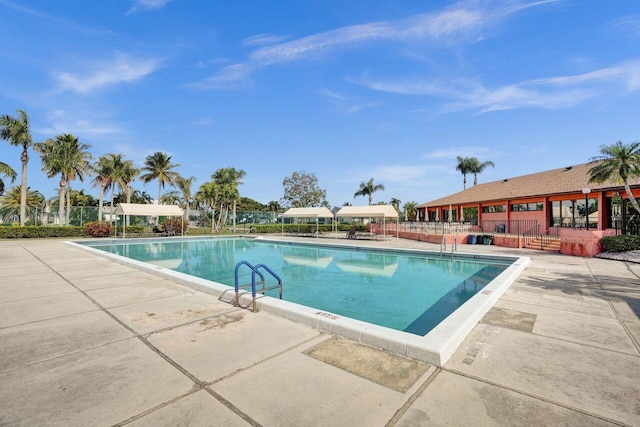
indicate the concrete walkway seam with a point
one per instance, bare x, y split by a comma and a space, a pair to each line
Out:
404, 408
613, 308
534, 396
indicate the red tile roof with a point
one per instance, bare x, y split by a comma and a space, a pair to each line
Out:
571, 179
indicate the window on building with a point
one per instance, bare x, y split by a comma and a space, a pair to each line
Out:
573, 213
522, 207
494, 208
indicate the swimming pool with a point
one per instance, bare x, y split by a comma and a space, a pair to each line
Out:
403, 291
357, 292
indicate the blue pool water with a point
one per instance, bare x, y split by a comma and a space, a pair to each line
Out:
411, 292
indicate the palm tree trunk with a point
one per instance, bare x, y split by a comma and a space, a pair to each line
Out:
112, 210
159, 196
100, 199
68, 194
213, 219
632, 199
63, 183
23, 188
128, 201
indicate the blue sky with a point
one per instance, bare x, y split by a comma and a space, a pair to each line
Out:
348, 90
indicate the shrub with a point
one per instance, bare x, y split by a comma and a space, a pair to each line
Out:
98, 229
18, 232
176, 224
300, 228
621, 243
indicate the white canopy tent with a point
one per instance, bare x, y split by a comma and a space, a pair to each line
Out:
319, 212
374, 211
127, 209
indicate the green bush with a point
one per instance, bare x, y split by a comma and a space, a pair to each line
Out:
176, 224
301, 228
128, 229
621, 243
17, 232
98, 229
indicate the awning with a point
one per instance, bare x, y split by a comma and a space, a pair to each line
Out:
127, 209
320, 212
374, 211
148, 210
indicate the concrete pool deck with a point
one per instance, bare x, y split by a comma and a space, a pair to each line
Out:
86, 341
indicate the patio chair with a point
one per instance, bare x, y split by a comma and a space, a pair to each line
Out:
351, 234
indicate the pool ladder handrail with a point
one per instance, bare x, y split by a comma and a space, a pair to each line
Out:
255, 270
247, 233
443, 245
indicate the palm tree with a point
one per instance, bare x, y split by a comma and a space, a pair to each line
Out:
122, 174
367, 189
395, 203
184, 196
618, 162
66, 156
16, 131
7, 171
411, 210
10, 203
227, 180
158, 166
208, 195
475, 167
274, 206
464, 166
103, 170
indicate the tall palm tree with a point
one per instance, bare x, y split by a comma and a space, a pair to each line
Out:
7, 171
158, 166
16, 130
367, 189
103, 170
10, 203
411, 210
395, 203
184, 196
274, 206
618, 162
227, 180
66, 156
122, 174
464, 166
208, 195
475, 167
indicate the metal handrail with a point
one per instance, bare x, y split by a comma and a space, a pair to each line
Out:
237, 285
255, 271
247, 233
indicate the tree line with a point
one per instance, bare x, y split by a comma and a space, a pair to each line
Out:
68, 158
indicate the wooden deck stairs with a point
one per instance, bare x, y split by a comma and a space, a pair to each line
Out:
547, 245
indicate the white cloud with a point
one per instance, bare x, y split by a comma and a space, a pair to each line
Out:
463, 20
83, 129
262, 39
121, 69
549, 93
629, 25
147, 5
